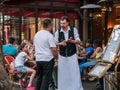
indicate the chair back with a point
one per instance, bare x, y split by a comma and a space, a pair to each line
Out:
14, 75
8, 59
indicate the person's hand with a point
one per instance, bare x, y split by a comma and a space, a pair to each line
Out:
56, 63
63, 43
69, 40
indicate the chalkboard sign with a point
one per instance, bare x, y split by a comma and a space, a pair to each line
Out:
112, 46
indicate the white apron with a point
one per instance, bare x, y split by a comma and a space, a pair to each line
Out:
68, 73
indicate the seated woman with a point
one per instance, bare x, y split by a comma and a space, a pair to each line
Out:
87, 53
97, 45
9, 48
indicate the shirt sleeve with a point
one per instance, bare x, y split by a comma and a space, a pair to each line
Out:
56, 37
90, 50
76, 35
23, 54
51, 41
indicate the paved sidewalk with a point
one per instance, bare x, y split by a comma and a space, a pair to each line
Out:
87, 85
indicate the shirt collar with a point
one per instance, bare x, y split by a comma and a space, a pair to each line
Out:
61, 30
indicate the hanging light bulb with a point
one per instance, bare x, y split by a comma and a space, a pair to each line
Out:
104, 9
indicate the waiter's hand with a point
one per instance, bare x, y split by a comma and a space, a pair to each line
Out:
63, 43
70, 39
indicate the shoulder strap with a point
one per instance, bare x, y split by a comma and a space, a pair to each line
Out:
60, 35
71, 32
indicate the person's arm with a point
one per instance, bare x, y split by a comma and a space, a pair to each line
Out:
63, 43
29, 57
73, 41
95, 52
52, 43
85, 54
55, 52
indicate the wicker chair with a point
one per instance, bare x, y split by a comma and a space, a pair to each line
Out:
13, 74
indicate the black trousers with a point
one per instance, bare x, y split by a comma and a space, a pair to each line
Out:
44, 74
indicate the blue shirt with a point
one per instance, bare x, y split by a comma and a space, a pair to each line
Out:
9, 49
89, 50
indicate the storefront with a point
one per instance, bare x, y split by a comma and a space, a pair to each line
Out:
25, 16
22, 19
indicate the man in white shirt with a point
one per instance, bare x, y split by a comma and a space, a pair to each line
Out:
68, 70
45, 53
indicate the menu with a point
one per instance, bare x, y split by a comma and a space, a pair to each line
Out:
113, 45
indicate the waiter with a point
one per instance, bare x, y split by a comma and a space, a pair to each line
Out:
68, 70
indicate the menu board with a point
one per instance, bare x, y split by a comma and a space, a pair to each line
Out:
99, 70
109, 55
112, 46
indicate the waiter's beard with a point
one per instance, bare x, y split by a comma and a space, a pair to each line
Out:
63, 28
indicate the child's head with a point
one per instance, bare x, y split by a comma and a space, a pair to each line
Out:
11, 40
97, 43
89, 43
28, 42
22, 47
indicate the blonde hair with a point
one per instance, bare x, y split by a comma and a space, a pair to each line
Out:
24, 41
20, 48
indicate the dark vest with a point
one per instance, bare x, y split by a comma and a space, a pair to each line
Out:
70, 49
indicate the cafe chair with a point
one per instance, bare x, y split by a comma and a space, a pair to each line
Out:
13, 74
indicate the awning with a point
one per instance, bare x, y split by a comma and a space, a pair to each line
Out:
9, 9
18, 2
43, 14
